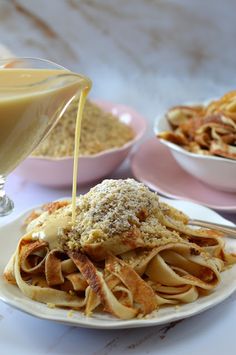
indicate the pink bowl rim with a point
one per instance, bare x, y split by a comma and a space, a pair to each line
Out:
127, 145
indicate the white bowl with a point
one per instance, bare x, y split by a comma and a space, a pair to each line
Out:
219, 173
58, 172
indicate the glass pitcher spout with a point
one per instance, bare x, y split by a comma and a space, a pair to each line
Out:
33, 96
40, 74
28, 75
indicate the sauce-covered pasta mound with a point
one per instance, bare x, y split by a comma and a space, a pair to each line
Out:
126, 254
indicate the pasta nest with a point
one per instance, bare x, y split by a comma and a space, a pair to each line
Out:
126, 254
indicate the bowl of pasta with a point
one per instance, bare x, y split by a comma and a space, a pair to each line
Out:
202, 139
129, 259
109, 131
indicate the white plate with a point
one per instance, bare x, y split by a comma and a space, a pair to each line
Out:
10, 294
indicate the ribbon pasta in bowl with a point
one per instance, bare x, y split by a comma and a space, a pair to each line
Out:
127, 256
202, 139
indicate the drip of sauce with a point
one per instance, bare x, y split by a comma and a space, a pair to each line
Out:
31, 100
82, 100
52, 230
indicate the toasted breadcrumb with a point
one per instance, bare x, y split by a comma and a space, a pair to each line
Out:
100, 131
115, 207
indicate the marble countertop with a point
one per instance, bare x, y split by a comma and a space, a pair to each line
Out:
149, 54
211, 332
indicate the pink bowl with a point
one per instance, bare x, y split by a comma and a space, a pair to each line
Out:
58, 172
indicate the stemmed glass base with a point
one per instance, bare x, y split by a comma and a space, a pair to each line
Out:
6, 204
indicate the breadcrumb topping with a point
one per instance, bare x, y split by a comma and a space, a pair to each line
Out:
100, 131
114, 207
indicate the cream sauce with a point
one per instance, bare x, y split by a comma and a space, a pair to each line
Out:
30, 102
52, 230
82, 100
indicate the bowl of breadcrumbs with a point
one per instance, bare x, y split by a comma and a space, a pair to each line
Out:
108, 133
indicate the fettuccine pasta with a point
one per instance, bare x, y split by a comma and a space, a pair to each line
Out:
127, 254
207, 130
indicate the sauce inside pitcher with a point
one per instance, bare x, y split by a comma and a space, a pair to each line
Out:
31, 102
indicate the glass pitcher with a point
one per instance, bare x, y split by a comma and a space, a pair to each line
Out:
34, 93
